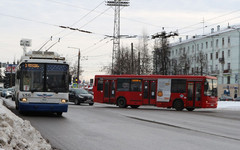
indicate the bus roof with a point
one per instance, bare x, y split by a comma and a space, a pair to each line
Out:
155, 76
42, 57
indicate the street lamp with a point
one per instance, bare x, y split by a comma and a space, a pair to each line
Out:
79, 55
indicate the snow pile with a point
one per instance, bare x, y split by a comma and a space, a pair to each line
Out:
18, 134
229, 105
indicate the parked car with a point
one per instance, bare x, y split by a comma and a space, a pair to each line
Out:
7, 92
3, 93
225, 98
79, 95
1, 89
237, 99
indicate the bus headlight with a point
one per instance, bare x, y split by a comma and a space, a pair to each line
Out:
24, 99
63, 101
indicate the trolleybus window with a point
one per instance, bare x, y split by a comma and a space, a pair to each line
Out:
32, 77
56, 78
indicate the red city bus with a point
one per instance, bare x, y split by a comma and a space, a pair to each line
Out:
170, 91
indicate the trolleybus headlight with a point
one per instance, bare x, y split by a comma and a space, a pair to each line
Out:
63, 101
24, 99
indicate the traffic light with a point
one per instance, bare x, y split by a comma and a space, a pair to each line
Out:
75, 80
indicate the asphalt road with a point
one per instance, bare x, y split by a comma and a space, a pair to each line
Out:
107, 127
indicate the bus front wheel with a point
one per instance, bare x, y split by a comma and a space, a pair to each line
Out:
122, 103
178, 105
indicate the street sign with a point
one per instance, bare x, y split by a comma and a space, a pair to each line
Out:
75, 85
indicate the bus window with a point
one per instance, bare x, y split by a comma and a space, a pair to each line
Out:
100, 84
136, 85
210, 87
178, 86
198, 91
123, 84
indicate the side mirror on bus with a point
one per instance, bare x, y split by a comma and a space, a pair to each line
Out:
69, 79
18, 74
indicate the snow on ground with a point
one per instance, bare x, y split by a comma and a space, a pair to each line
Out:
18, 134
229, 105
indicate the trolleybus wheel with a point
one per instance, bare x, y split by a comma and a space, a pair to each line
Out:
190, 109
59, 113
134, 106
122, 103
178, 105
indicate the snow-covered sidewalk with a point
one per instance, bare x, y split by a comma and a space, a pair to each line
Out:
18, 134
229, 105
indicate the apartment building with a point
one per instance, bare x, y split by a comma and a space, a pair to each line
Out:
215, 54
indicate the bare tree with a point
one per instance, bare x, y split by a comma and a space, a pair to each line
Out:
73, 69
202, 62
162, 54
145, 59
184, 63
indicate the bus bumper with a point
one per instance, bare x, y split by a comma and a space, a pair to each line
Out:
43, 107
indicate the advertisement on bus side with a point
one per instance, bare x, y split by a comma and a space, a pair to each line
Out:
164, 90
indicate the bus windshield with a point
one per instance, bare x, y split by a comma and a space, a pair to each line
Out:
210, 87
44, 78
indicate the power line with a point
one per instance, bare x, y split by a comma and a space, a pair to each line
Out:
31, 20
82, 17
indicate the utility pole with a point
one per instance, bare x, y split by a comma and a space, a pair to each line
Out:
78, 70
79, 57
161, 53
116, 33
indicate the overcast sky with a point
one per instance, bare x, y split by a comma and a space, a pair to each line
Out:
38, 20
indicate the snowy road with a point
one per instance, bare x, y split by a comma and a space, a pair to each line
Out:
105, 127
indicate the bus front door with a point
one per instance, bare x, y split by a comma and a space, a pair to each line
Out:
109, 91
194, 95
149, 92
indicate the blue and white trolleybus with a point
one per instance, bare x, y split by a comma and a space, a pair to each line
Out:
42, 83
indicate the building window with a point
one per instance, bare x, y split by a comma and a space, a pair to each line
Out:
229, 53
228, 79
229, 66
211, 56
211, 44
222, 54
206, 45
229, 41
222, 42
184, 50
216, 55
176, 51
201, 46
216, 43
216, 67
206, 56
211, 67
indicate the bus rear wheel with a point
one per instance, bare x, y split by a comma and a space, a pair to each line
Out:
178, 105
134, 106
190, 109
122, 103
